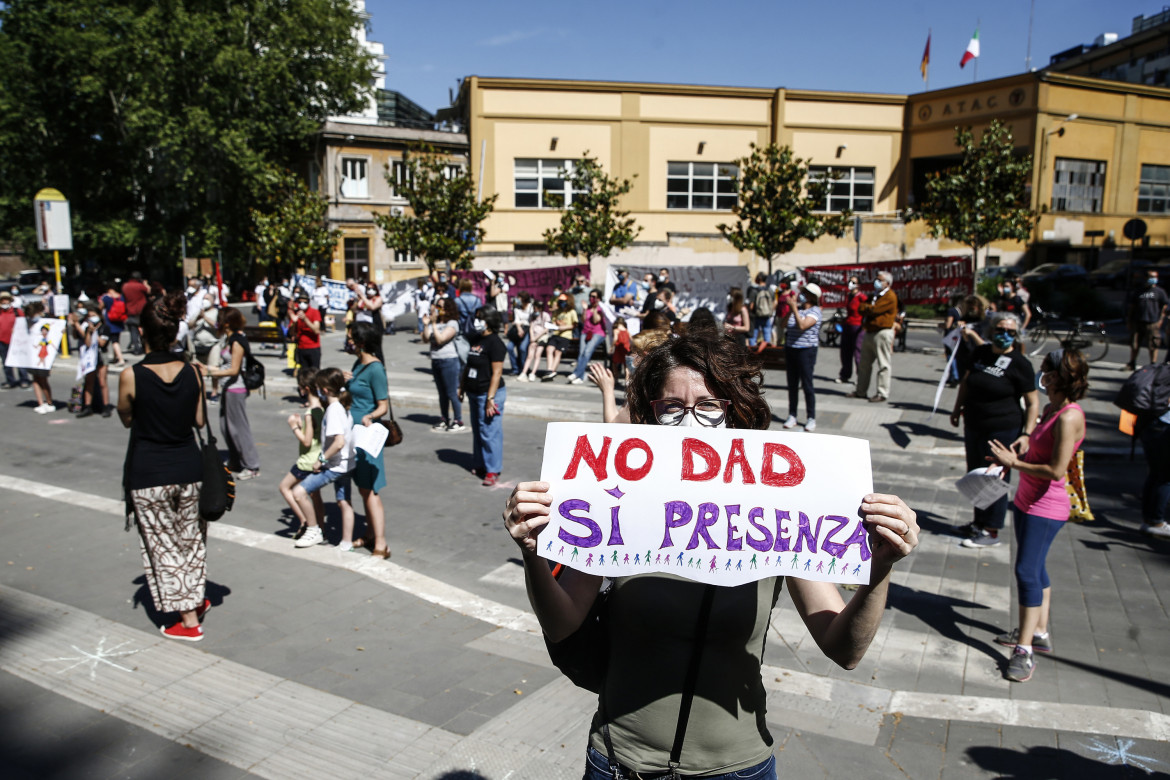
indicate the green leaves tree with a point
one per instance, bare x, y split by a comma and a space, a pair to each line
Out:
593, 225
444, 224
289, 226
779, 205
163, 118
985, 197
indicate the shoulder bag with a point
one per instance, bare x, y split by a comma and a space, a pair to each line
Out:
393, 429
218, 493
1078, 497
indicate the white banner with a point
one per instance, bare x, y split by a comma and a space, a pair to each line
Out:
714, 505
699, 286
36, 347
339, 295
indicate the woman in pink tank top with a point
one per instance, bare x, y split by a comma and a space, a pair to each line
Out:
1041, 505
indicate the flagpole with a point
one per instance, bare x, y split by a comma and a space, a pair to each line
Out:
1028, 56
929, 35
975, 70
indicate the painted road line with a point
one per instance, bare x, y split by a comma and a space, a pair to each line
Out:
1127, 723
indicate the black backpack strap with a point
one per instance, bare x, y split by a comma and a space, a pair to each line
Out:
688, 697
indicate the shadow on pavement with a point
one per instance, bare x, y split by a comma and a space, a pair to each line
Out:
460, 458
1145, 684
213, 592
461, 774
1048, 763
942, 614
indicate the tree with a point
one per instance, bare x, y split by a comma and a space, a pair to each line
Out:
984, 198
444, 222
779, 205
289, 227
593, 225
162, 118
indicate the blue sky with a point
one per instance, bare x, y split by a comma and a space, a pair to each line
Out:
849, 46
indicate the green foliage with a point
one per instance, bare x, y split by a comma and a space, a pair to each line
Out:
162, 118
984, 198
289, 226
444, 222
778, 206
593, 225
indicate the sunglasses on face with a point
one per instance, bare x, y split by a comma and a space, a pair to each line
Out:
1012, 331
709, 412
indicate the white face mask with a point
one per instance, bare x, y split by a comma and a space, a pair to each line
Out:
5, 306
853, 285
303, 306
478, 326
689, 421
206, 304
95, 320
662, 278
192, 290
659, 303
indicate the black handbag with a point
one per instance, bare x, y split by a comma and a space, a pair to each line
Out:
218, 493
581, 656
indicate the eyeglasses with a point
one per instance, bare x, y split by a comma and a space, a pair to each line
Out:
1012, 331
709, 412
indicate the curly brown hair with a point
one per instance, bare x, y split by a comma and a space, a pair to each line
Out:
728, 368
1072, 373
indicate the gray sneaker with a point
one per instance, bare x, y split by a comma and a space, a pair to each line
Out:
982, 538
1012, 638
1161, 530
1020, 666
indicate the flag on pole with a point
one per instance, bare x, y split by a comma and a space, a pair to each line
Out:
926, 59
972, 49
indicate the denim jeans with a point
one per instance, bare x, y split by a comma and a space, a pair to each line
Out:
597, 767
446, 373
487, 451
1155, 439
517, 354
585, 353
761, 325
798, 365
976, 438
14, 376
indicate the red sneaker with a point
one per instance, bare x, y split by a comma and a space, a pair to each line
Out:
201, 610
490, 479
179, 631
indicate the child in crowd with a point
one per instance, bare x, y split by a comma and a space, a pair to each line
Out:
33, 314
93, 335
333, 463
307, 428
621, 346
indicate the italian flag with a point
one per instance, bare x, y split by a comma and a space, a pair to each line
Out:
972, 49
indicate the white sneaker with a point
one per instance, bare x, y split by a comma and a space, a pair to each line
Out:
312, 537
810, 425
456, 427
345, 546
45, 409
789, 423
576, 380
523, 378
1161, 530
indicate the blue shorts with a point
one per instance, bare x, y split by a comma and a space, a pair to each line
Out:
320, 479
299, 474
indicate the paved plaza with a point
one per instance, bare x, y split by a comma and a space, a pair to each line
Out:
322, 664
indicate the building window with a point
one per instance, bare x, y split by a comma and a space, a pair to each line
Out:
400, 174
357, 259
355, 179
540, 185
851, 191
1079, 185
696, 186
1154, 190
403, 257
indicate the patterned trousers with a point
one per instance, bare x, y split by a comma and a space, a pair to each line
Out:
174, 545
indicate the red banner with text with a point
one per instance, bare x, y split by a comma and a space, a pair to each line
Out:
930, 281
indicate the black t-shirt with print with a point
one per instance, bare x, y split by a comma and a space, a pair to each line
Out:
995, 386
477, 376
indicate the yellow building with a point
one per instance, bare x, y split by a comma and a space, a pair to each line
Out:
678, 144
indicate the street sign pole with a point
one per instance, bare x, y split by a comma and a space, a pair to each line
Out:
54, 233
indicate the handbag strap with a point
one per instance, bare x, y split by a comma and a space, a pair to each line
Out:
206, 419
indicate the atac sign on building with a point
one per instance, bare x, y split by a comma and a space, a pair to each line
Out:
973, 104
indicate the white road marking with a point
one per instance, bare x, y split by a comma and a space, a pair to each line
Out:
1120, 722
99, 656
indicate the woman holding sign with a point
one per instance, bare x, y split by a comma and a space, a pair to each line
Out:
680, 693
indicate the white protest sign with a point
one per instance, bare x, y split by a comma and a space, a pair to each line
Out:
339, 295
714, 505
34, 347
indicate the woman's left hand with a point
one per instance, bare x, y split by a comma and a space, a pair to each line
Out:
1020, 445
893, 527
1002, 454
489, 408
367, 420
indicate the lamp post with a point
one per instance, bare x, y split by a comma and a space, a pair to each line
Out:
1039, 189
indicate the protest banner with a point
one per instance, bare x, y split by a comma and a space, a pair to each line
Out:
714, 505
306, 283
698, 286
537, 282
339, 295
35, 348
931, 281
398, 298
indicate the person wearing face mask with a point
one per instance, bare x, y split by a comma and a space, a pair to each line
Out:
1145, 315
852, 333
114, 315
564, 324
877, 346
800, 352
195, 295
988, 403
204, 330
1012, 302
763, 312
305, 322
93, 335
699, 380
368, 308
15, 377
1041, 506
592, 335
625, 292
664, 282
483, 384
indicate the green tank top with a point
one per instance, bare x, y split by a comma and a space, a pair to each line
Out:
307, 456
651, 638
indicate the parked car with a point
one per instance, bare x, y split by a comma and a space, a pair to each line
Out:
998, 272
1113, 273
1056, 274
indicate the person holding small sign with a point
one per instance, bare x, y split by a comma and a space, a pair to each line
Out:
682, 696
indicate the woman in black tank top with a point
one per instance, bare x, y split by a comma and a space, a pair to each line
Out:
159, 400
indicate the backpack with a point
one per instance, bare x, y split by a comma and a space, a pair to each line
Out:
1146, 391
117, 312
252, 371
765, 302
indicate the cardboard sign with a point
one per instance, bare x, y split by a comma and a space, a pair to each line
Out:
714, 505
34, 347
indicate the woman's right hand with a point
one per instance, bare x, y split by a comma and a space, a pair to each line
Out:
955, 417
527, 513
347, 374
601, 376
